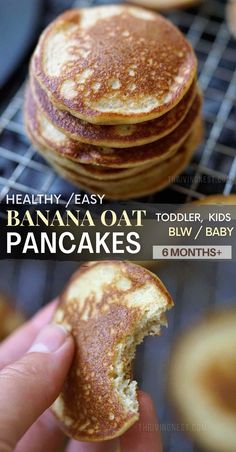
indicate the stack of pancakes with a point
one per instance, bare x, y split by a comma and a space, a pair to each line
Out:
112, 102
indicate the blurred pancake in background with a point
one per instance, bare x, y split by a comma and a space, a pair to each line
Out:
120, 136
155, 179
165, 5
113, 99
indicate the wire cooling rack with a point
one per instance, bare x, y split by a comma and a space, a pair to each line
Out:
195, 287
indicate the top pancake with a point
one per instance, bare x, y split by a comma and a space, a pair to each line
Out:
114, 64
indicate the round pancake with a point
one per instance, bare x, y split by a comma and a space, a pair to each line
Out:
50, 137
10, 318
165, 5
108, 307
119, 136
144, 183
217, 199
114, 64
202, 378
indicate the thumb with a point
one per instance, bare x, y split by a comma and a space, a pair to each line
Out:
30, 385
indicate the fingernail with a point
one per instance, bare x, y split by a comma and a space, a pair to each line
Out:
49, 340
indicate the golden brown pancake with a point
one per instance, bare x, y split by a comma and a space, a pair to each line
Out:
202, 381
144, 183
114, 64
40, 129
120, 136
91, 171
108, 307
231, 16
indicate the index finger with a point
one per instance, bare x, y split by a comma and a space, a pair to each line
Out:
18, 343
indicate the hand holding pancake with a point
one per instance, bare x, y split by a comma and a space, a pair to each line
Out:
31, 377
